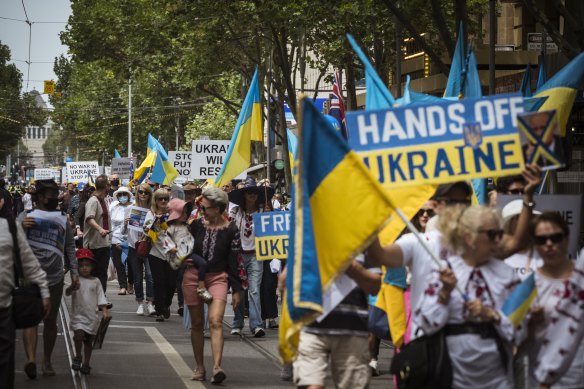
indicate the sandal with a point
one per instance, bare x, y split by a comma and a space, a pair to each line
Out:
30, 370
76, 365
218, 375
205, 295
85, 369
198, 375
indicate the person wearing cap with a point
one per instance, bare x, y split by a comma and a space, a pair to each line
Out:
525, 261
84, 319
408, 251
119, 211
13, 241
249, 200
217, 241
51, 239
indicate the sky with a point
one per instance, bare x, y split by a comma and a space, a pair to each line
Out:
45, 44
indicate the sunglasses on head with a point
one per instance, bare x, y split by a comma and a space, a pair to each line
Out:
143, 192
493, 234
204, 209
540, 240
163, 199
428, 211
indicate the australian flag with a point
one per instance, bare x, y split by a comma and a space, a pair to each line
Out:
337, 108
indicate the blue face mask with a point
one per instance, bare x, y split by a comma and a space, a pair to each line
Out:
123, 199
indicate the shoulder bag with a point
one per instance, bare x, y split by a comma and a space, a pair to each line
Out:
27, 303
143, 246
423, 363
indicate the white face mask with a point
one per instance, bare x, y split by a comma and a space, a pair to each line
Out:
123, 199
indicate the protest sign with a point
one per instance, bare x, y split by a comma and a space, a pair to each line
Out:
540, 139
207, 159
137, 218
181, 161
48, 232
46, 174
80, 171
569, 206
438, 143
121, 166
271, 235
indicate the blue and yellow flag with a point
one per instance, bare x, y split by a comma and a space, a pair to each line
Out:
145, 168
561, 90
520, 300
247, 129
330, 177
292, 148
117, 154
156, 163
90, 180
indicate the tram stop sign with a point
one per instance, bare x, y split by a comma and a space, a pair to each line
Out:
279, 164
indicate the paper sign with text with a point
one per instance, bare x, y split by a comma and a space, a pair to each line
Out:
46, 174
438, 143
207, 158
272, 230
121, 166
78, 171
181, 161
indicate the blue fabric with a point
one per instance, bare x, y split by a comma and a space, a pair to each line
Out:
396, 277
526, 82
254, 269
569, 76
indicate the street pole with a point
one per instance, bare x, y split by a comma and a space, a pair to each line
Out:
492, 43
176, 128
129, 116
269, 118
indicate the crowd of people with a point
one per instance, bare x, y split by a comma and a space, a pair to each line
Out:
457, 270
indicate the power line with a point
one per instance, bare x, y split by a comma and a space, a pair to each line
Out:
27, 21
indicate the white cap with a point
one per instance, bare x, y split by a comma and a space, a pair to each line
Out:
513, 208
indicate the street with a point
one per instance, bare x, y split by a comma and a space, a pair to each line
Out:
140, 353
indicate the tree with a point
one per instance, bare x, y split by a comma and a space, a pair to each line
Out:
16, 110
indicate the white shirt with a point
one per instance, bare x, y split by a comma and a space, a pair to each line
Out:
118, 214
84, 304
524, 263
244, 222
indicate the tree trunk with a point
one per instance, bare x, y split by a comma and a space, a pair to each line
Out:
350, 85
442, 27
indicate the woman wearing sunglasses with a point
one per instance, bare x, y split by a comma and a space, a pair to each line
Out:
478, 335
163, 276
550, 236
140, 265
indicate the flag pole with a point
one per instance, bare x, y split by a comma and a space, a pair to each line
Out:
416, 233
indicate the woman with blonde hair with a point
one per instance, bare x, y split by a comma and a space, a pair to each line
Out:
478, 334
163, 275
140, 265
217, 242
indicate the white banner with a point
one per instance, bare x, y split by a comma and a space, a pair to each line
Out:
121, 167
569, 206
207, 159
181, 160
78, 171
46, 174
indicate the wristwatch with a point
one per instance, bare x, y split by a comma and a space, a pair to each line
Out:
530, 204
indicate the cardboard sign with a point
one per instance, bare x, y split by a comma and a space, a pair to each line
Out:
569, 206
46, 174
80, 171
207, 158
272, 230
439, 143
181, 160
121, 166
540, 138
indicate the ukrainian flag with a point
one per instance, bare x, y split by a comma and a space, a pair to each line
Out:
90, 180
561, 90
520, 300
338, 209
156, 163
117, 154
292, 148
247, 129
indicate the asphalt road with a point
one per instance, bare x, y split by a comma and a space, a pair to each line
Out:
139, 353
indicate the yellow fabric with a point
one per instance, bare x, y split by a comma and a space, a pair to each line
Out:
391, 300
562, 100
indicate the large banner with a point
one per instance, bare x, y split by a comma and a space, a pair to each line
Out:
122, 167
78, 171
271, 235
46, 174
181, 160
569, 206
207, 158
48, 232
438, 143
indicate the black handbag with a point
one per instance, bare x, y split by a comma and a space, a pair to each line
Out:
27, 303
423, 363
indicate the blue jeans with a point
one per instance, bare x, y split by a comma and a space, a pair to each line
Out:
139, 267
254, 269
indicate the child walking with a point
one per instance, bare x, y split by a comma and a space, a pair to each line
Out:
179, 244
84, 316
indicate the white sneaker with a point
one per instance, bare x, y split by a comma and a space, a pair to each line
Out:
150, 309
236, 331
374, 367
140, 311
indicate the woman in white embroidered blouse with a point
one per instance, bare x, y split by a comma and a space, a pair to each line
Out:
478, 335
554, 289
